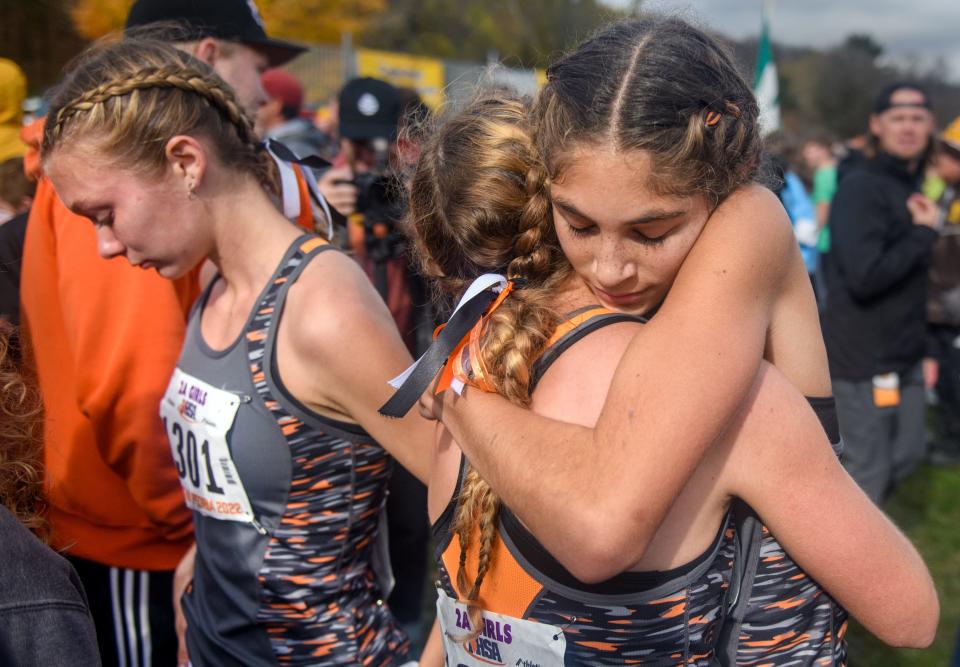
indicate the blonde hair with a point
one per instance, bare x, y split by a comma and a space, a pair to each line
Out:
131, 97
478, 204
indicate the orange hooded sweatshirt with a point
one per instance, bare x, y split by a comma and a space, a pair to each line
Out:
104, 337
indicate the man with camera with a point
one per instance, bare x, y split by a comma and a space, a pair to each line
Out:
365, 186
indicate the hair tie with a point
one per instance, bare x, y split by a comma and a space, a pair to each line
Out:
713, 117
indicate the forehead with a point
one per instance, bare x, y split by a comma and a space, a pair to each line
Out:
907, 96
609, 184
251, 54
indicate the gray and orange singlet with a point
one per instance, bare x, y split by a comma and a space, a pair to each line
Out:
286, 505
536, 613
744, 601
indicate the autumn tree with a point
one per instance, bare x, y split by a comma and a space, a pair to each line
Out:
310, 21
528, 33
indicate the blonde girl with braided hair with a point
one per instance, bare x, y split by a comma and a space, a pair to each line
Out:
271, 410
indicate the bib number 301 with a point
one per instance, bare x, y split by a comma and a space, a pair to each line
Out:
197, 417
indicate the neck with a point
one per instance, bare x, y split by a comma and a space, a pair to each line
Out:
249, 235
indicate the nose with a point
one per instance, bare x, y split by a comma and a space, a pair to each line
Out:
611, 265
107, 243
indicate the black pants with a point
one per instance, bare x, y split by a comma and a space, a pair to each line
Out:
409, 531
948, 386
132, 612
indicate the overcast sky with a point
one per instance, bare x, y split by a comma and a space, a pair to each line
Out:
924, 28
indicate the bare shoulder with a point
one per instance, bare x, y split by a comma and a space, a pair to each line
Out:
575, 386
746, 246
333, 307
751, 216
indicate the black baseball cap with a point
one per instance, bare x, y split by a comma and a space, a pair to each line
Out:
233, 20
369, 109
884, 100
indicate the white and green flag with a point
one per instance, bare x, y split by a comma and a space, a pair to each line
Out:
765, 85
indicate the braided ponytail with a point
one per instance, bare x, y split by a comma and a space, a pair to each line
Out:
479, 203
133, 96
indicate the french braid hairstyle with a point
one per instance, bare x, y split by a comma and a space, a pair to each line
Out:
659, 85
478, 203
131, 97
21, 437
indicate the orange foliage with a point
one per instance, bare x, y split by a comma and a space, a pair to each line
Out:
95, 18
310, 21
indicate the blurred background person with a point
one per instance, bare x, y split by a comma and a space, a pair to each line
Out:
16, 194
820, 161
943, 302
882, 233
793, 195
366, 185
282, 117
13, 92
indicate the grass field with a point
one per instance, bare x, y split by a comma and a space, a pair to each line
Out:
927, 507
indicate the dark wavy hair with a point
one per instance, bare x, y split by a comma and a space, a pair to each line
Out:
659, 85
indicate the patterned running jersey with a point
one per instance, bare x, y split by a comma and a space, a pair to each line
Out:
286, 511
779, 616
635, 618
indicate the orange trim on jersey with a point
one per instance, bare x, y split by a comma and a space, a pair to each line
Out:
305, 219
507, 589
311, 244
569, 325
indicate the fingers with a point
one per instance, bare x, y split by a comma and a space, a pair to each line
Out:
430, 405
922, 210
337, 188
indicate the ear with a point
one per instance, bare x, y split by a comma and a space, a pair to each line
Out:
187, 159
207, 50
875, 124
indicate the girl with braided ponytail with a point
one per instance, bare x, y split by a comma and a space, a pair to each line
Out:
271, 411
627, 127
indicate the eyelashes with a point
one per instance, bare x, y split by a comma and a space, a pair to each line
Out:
643, 239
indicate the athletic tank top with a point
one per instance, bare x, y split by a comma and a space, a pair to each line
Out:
778, 615
286, 505
536, 613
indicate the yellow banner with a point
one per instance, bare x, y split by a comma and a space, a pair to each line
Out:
425, 75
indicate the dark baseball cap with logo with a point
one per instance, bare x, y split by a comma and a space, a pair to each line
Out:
369, 109
233, 20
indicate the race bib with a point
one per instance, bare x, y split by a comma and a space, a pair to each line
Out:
197, 417
503, 640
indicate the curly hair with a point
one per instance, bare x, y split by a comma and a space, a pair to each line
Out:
21, 439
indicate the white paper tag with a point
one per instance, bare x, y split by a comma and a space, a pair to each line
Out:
503, 640
197, 417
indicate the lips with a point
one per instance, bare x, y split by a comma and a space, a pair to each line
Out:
619, 300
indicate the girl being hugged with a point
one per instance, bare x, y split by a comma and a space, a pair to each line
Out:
271, 410
479, 205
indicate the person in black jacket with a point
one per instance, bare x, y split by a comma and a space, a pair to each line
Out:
874, 324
